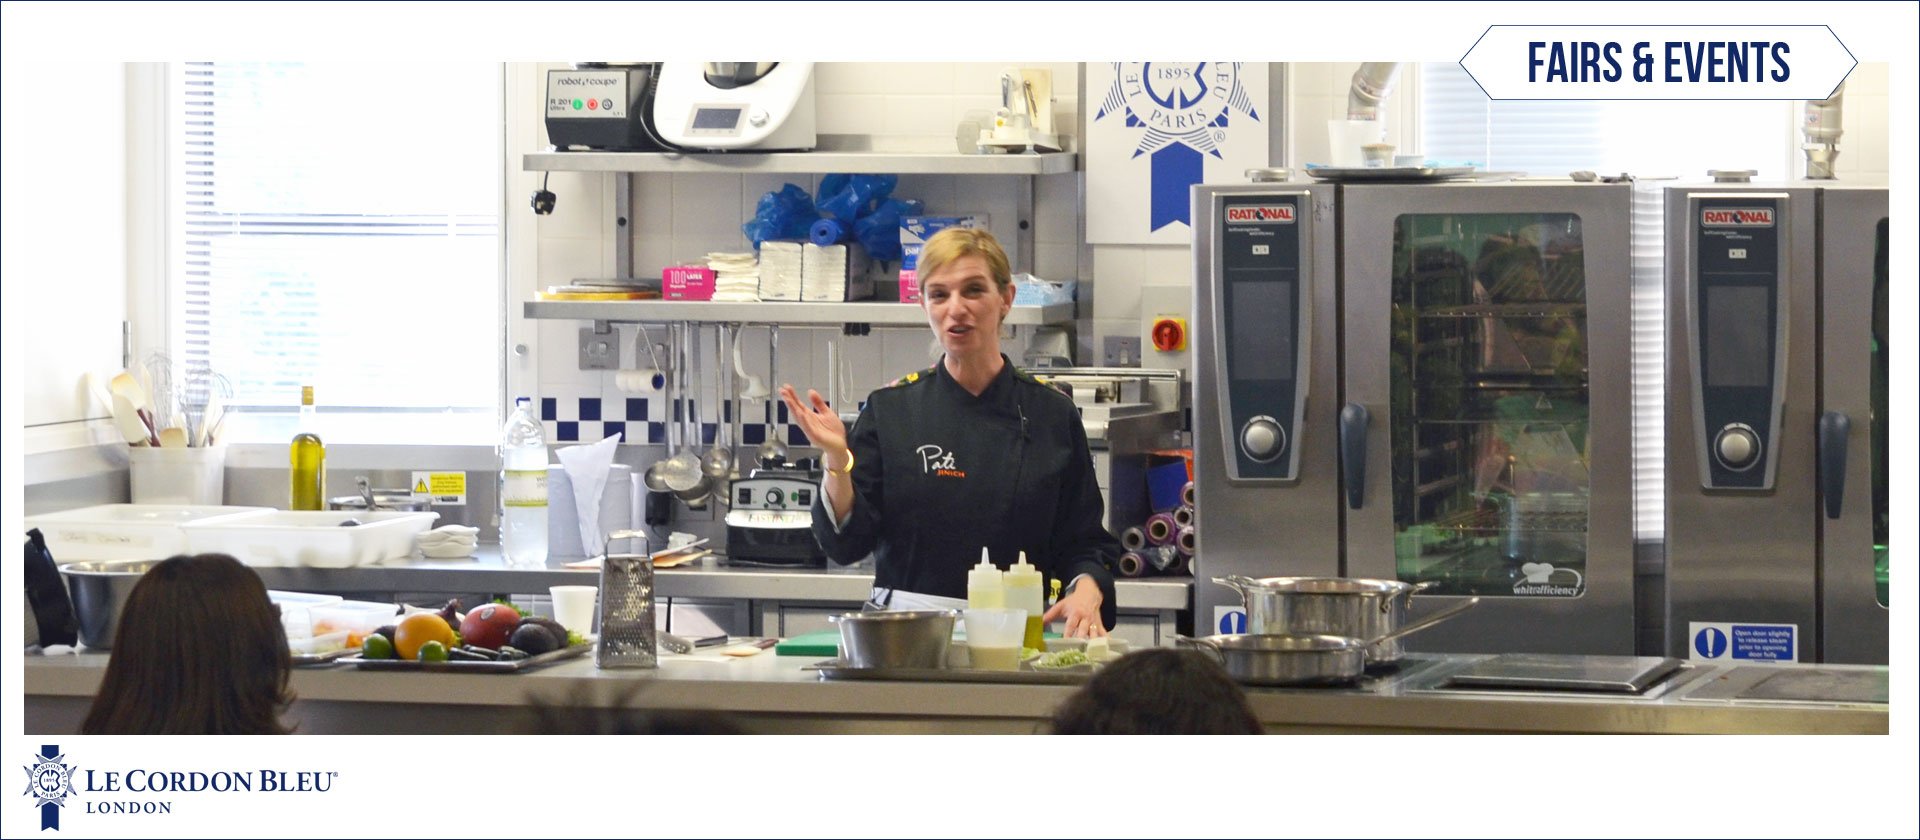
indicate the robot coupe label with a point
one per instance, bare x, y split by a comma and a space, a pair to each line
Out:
1737, 217
1270, 214
1714, 640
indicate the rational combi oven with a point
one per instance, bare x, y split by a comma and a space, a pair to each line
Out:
1426, 382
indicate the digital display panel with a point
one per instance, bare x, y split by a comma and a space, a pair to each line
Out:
716, 119
1262, 315
1738, 352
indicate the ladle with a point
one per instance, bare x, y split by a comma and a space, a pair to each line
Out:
773, 453
718, 462
680, 471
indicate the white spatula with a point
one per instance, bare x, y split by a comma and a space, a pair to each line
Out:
128, 419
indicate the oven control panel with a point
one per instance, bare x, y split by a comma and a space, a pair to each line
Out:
1738, 304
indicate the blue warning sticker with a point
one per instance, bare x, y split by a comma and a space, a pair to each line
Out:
1711, 640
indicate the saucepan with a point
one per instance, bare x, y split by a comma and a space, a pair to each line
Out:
1305, 659
1358, 608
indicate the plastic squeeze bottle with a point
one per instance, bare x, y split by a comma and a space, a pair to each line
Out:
984, 585
1023, 583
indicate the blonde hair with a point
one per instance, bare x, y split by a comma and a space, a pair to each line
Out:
956, 243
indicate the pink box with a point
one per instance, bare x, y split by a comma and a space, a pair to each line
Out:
686, 282
909, 285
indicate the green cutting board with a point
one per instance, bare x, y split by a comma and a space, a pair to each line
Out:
822, 643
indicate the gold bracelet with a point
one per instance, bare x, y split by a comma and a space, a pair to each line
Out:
846, 472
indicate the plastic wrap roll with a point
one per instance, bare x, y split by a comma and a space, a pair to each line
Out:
1133, 539
1132, 565
826, 232
1183, 516
1161, 557
1185, 541
1186, 495
1161, 529
1184, 567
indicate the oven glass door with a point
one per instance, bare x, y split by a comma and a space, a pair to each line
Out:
1489, 403
1877, 438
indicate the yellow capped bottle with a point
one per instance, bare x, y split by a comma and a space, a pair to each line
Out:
1022, 582
308, 459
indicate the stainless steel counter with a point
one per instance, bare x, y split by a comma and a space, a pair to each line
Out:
708, 579
767, 693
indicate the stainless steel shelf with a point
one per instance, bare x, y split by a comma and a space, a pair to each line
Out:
1050, 163
775, 312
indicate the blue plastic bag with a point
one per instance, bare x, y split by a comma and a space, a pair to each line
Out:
848, 197
880, 230
786, 214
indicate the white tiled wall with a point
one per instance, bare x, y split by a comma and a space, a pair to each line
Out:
1863, 146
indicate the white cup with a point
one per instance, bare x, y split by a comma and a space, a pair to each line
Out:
573, 607
1345, 137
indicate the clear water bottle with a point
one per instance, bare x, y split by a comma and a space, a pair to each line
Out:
523, 489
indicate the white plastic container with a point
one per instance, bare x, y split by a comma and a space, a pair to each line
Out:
177, 475
310, 537
354, 618
124, 532
293, 610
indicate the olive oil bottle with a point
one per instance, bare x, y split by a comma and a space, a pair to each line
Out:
308, 459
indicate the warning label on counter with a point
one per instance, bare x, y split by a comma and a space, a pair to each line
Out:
1713, 640
444, 488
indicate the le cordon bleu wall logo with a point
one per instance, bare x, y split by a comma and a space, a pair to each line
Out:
49, 783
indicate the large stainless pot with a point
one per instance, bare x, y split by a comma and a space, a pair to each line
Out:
100, 591
376, 498
1306, 659
1357, 608
895, 638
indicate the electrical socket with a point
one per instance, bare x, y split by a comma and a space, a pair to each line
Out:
599, 350
1120, 351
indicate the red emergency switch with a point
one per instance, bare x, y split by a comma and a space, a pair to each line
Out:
1169, 334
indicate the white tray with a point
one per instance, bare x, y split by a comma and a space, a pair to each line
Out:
124, 532
310, 537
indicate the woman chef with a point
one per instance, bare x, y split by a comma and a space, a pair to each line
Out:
968, 453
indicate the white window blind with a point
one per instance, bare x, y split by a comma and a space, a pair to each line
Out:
337, 225
1647, 139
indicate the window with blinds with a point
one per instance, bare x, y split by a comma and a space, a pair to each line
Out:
1650, 140
337, 225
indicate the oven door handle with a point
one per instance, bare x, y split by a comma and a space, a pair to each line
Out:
1353, 452
1834, 427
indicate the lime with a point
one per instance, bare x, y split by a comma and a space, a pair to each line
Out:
433, 652
376, 647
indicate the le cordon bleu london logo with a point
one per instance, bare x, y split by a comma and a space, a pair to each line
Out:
49, 783
51, 780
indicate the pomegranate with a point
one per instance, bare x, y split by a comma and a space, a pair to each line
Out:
489, 626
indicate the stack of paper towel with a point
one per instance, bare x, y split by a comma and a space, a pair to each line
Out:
835, 273
780, 270
736, 276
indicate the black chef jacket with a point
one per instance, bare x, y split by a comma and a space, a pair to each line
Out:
938, 473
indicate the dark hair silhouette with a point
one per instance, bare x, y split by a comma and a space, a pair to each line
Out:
199, 651
1158, 691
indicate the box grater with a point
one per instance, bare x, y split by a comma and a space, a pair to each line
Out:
627, 633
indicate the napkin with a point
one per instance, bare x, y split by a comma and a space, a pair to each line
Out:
587, 466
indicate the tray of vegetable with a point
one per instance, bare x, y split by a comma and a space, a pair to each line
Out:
491, 639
